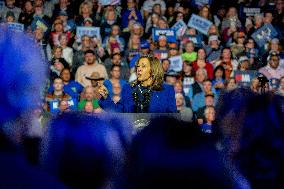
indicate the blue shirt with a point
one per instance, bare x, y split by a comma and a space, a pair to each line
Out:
160, 102
73, 88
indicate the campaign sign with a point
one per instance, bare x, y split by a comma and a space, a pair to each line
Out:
187, 81
89, 31
251, 11
175, 63
244, 78
202, 2
161, 54
109, 2
169, 33
180, 28
274, 83
264, 34
38, 22
16, 26
200, 24
54, 105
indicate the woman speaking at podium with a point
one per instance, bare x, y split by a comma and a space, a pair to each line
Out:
147, 94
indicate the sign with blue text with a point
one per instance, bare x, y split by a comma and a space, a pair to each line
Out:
175, 63
16, 26
200, 24
93, 32
244, 78
264, 34
169, 33
180, 28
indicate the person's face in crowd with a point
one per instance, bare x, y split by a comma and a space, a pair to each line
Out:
38, 33
179, 100
136, 29
189, 47
232, 12
58, 84
63, 3
268, 18
244, 65
231, 84
258, 20
209, 101
63, 41
191, 31
97, 83
143, 70
38, 9
207, 86
274, 62
90, 58
200, 76
89, 108
210, 116
116, 59
115, 30
213, 30
10, 3
241, 40
219, 73
178, 87
58, 27
63, 106
281, 85
115, 72
85, 9
171, 80
214, 43
255, 83
145, 51
201, 54
88, 23
58, 53
170, 11
205, 12
173, 52
162, 24
10, 19
186, 68
250, 44
58, 66
165, 65
111, 16
28, 6
65, 75
162, 42
116, 89
279, 5
155, 19
89, 94
86, 42
135, 40
179, 16
38, 2
275, 47
221, 12
157, 9
130, 4
226, 54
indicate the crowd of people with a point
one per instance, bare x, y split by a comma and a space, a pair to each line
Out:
234, 52
229, 93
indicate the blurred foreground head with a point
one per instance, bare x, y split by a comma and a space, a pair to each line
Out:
86, 151
252, 127
22, 76
172, 154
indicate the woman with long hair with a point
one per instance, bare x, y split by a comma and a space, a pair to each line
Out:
147, 94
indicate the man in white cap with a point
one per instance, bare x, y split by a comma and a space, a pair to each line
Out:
213, 49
